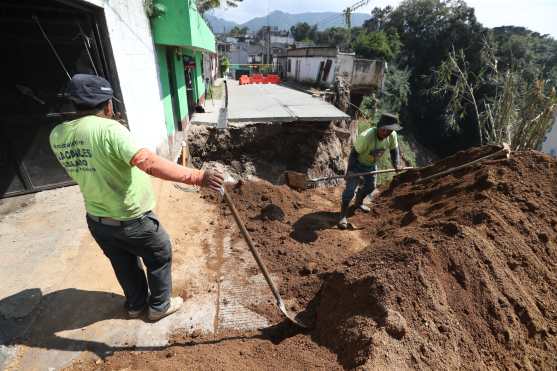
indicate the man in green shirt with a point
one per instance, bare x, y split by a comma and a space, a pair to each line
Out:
369, 146
113, 174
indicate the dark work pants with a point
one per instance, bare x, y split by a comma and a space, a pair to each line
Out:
142, 238
367, 182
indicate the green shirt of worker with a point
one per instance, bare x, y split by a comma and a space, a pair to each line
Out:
370, 147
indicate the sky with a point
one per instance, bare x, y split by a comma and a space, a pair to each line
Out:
537, 15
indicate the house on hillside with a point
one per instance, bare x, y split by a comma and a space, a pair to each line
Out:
321, 65
158, 59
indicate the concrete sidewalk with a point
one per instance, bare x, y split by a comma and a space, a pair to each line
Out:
270, 103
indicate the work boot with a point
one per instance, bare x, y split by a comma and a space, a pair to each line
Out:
343, 221
135, 313
175, 305
359, 204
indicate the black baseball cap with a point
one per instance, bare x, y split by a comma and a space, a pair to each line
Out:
389, 121
89, 90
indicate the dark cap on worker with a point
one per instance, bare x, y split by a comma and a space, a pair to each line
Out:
389, 121
89, 90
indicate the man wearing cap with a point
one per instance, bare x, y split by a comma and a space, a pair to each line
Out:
113, 175
369, 146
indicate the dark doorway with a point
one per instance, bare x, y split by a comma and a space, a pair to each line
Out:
171, 66
33, 80
189, 65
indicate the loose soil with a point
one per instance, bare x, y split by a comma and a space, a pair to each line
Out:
456, 272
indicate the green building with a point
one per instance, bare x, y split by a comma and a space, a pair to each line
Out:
181, 39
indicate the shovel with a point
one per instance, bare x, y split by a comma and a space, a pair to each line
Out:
247, 238
300, 181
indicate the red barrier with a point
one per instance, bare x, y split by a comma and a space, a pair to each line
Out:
244, 79
259, 79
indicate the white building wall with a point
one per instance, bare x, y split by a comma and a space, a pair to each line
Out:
345, 66
134, 55
309, 68
367, 73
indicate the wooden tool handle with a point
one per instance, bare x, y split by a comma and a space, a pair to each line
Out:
251, 246
347, 176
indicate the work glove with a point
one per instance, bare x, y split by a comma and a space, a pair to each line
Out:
213, 180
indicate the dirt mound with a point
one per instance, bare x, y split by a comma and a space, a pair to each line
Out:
455, 272
461, 271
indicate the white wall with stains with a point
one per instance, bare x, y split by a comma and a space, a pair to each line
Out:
134, 54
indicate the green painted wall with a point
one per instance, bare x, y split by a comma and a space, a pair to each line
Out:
165, 88
182, 25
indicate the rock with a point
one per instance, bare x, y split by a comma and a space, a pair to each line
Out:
395, 324
309, 268
272, 212
443, 329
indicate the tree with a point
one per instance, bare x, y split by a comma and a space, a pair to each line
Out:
205, 5
379, 18
334, 36
396, 89
519, 112
224, 65
238, 31
426, 31
373, 45
303, 32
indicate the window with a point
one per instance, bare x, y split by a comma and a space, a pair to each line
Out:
289, 67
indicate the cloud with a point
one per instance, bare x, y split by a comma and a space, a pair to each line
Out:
537, 15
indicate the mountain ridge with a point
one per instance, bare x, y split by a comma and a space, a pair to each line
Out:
284, 20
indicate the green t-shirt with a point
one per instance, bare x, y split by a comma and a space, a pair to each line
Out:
370, 148
96, 152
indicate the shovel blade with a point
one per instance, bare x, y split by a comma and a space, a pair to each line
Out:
291, 317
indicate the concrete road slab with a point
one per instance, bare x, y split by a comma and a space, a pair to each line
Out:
271, 103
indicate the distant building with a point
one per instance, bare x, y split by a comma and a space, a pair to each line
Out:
321, 65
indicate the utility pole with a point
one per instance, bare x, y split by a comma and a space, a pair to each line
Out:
268, 44
348, 15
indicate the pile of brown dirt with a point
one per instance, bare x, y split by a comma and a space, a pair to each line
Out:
461, 271
455, 272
